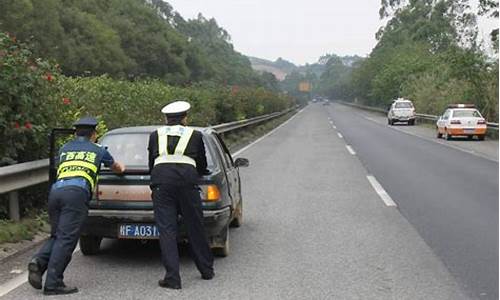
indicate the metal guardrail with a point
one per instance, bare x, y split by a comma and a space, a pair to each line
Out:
26, 174
491, 125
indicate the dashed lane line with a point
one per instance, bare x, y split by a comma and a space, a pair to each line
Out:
381, 191
349, 148
340, 135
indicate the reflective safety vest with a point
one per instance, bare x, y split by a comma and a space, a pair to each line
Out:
79, 164
184, 133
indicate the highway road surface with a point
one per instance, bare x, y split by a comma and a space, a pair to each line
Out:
328, 215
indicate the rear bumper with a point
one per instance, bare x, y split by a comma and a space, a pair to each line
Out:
402, 119
465, 131
106, 223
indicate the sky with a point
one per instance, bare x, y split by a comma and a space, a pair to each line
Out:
298, 31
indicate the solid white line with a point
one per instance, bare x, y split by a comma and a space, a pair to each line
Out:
19, 280
339, 134
13, 283
23, 278
349, 148
264, 136
380, 191
435, 140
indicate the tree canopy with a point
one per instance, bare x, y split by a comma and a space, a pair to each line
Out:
127, 39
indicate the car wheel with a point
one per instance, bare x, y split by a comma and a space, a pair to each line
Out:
470, 137
389, 122
481, 137
411, 122
222, 250
438, 134
446, 135
238, 215
89, 244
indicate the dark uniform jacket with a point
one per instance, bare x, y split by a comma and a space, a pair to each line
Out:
178, 173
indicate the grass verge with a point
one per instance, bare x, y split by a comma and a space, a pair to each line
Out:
26, 229
240, 138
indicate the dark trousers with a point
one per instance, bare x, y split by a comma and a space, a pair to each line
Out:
67, 212
168, 202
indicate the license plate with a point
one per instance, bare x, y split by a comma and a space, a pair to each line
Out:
469, 131
138, 231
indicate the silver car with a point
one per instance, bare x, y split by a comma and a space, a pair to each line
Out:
401, 110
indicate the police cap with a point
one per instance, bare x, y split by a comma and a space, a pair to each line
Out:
176, 109
86, 122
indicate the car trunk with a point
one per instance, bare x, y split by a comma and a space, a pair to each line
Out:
403, 112
127, 191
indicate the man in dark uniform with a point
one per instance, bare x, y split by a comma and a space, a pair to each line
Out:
176, 162
79, 163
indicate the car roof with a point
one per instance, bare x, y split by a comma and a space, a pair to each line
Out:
151, 128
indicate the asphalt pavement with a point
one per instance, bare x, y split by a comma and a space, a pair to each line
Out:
448, 190
314, 228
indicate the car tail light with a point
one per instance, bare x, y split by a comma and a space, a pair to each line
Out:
481, 122
456, 122
210, 193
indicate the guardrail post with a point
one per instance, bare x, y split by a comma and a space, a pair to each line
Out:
14, 206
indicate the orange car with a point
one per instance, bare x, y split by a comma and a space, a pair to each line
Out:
461, 120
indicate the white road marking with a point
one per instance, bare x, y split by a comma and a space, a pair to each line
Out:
339, 134
16, 271
23, 278
380, 191
19, 280
266, 135
437, 141
331, 122
334, 127
349, 148
13, 283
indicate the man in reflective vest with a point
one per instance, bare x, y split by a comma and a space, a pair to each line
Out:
79, 163
176, 161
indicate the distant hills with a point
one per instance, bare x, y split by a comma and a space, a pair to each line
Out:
281, 67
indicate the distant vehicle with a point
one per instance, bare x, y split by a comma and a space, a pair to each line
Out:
461, 120
122, 206
326, 102
401, 110
314, 100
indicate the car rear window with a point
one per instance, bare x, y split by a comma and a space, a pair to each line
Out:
466, 113
403, 105
131, 149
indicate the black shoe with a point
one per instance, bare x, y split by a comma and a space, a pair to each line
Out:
165, 284
60, 290
208, 276
35, 274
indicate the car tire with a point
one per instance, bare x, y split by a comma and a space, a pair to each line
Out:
481, 137
238, 216
438, 134
90, 245
223, 249
446, 135
470, 137
389, 122
411, 122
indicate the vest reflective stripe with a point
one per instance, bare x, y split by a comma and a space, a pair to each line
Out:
178, 157
79, 163
78, 168
78, 174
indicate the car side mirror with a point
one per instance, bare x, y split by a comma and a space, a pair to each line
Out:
241, 162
